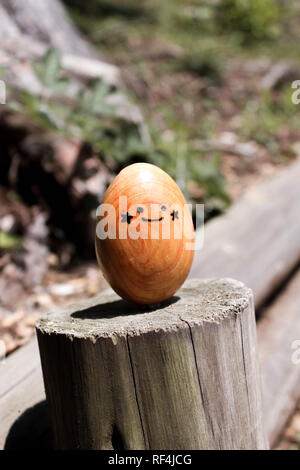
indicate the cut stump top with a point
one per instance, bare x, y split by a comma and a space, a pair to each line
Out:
107, 315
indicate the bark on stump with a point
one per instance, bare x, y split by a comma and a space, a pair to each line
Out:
181, 376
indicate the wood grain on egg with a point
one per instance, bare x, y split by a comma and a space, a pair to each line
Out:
146, 270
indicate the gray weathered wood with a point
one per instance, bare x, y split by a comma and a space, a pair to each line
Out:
258, 239
182, 376
278, 328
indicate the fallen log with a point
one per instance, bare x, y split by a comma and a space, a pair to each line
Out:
278, 333
258, 240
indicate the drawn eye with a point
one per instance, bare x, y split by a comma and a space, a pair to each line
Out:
140, 210
163, 208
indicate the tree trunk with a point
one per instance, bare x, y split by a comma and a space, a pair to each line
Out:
29, 27
46, 21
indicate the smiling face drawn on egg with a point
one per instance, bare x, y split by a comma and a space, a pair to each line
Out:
127, 217
145, 235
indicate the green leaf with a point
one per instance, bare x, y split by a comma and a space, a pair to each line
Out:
50, 118
14, 106
61, 85
100, 90
51, 68
30, 101
9, 241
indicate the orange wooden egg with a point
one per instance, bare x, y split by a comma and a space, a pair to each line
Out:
144, 235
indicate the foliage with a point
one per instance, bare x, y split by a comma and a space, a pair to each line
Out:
265, 116
9, 241
89, 118
128, 8
208, 36
202, 62
184, 164
48, 72
253, 20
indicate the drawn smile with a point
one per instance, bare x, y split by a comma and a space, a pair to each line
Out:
127, 217
152, 220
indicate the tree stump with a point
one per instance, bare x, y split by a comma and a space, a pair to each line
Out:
182, 375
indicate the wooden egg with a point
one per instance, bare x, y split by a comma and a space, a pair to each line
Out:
144, 235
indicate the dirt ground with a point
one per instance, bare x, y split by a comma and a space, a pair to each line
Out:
290, 438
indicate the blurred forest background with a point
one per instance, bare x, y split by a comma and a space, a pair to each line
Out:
200, 88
